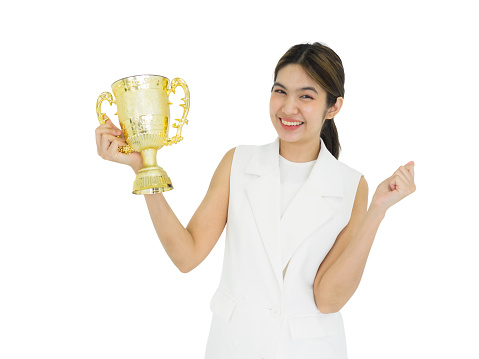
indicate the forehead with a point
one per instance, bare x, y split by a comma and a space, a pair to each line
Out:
294, 77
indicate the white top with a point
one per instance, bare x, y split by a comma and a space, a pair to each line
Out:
292, 177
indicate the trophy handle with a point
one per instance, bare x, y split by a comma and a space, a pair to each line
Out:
186, 107
109, 97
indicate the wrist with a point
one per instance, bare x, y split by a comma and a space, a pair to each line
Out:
377, 211
135, 167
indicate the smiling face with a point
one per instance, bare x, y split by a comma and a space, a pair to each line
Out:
298, 106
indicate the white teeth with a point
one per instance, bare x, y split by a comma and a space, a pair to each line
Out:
291, 123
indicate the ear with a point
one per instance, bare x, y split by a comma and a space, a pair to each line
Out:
334, 110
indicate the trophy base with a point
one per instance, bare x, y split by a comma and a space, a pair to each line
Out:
152, 180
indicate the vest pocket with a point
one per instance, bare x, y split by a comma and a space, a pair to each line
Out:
314, 326
222, 304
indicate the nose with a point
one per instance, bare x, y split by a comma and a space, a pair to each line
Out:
290, 107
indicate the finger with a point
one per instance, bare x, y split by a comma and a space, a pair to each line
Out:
411, 186
120, 141
400, 179
407, 175
407, 179
411, 175
107, 122
102, 130
113, 152
99, 132
410, 170
105, 130
106, 125
400, 169
410, 167
115, 143
105, 144
113, 149
98, 141
111, 124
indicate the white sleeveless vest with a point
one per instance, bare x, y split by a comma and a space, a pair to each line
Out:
257, 313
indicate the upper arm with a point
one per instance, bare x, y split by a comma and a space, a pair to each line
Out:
209, 220
357, 215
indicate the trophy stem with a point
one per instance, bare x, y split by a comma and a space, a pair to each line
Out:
151, 178
149, 157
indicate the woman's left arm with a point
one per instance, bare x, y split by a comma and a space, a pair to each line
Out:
341, 270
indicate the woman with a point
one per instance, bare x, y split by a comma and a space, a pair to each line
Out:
299, 231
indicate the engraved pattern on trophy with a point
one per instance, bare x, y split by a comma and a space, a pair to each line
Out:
152, 183
144, 115
146, 131
135, 82
130, 84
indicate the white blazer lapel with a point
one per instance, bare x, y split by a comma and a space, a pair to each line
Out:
264, 198
312, 205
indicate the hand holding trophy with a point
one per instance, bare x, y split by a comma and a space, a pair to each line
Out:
144, 116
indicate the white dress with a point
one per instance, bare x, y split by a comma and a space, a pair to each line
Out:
258, 313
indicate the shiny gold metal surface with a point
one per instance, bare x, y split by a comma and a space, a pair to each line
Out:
144, 114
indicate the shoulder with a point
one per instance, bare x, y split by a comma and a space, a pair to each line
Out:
241, 154
230, 154
356, 182
352, 174
221, 176
362, 193
227, 160
247, 149
349, 171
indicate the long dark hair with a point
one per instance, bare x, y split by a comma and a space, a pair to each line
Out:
325, 67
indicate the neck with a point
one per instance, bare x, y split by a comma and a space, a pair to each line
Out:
299, 152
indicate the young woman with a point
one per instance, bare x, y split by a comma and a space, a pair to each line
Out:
299, 229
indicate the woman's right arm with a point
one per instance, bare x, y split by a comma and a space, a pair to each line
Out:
186, 247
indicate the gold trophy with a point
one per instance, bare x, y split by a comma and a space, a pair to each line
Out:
144, 114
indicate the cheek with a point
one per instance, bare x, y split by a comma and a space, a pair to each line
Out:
313, 112
274, 104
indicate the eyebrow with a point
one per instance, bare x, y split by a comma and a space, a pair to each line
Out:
301, 89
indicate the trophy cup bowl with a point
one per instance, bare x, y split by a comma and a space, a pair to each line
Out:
144, 114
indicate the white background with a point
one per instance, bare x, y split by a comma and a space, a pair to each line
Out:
82, 272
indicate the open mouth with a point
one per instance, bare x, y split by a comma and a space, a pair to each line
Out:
290, 125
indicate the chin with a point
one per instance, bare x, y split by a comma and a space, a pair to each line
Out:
289, 138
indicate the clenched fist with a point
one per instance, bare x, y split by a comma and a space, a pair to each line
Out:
395, 188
